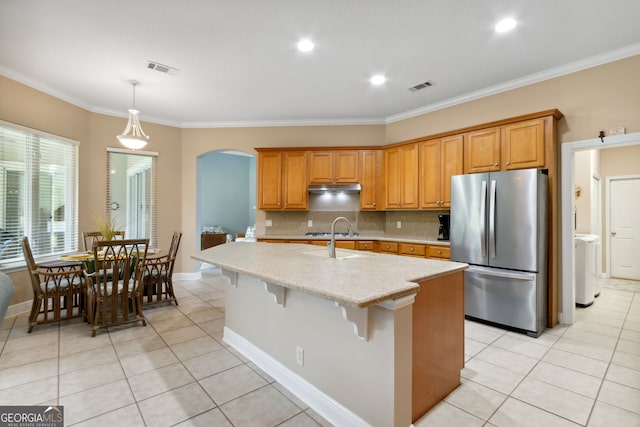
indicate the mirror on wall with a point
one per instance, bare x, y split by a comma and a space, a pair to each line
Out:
131, 193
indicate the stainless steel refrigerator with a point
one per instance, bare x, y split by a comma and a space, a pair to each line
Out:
499, 227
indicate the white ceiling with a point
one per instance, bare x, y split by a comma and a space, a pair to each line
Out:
239, 65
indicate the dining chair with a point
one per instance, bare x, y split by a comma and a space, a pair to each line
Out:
88, 237
57, 289
114, 288
158, 275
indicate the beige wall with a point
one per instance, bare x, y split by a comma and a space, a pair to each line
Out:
598, 98
25, 106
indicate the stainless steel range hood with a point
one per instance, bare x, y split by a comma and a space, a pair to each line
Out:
334, 188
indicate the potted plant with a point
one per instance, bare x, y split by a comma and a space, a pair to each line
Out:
107, 227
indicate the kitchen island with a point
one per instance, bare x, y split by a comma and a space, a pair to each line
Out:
363, 339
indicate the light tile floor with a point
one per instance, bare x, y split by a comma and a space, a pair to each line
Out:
177, 370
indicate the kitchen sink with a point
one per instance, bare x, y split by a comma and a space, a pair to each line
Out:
340, 253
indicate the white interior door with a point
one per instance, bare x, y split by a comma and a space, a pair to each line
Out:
624, 227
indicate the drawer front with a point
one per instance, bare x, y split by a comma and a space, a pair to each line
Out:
346, 244
389, 247
413, 249
365, 245
443, 252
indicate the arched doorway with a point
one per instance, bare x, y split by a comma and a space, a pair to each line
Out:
225, 191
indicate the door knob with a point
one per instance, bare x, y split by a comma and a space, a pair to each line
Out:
613, 233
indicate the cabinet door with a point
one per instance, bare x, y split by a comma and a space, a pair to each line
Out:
482, 151
392, 177
410, 178
401, 177
523, 145
368, 179
346, 166
452, 156
294, 186
431, 174
321, 167
270, 180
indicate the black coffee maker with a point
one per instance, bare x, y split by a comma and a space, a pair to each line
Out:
443, 231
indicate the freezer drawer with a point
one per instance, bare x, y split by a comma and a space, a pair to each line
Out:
511, 298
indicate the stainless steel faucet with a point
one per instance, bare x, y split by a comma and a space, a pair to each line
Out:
332, 243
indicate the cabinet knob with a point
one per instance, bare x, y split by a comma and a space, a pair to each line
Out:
496, 164
439, 252
508, 163
411, 249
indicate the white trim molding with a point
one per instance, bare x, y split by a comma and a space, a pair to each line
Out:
324, 405
567, 205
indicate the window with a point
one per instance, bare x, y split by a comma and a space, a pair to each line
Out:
38, 193
131, 195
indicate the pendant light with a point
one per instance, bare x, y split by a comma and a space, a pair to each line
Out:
133, 136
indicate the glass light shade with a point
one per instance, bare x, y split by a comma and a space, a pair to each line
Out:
133, 136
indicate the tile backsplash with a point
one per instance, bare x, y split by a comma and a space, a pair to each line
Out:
414, 224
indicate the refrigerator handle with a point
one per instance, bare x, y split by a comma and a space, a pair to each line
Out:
492, 220
483, 216
494, 272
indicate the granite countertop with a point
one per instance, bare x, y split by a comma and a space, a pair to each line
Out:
403, 239
361, 279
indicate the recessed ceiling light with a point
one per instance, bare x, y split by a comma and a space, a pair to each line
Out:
378, 79
305, 45
505, 25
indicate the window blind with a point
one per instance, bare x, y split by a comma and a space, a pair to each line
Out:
38, 193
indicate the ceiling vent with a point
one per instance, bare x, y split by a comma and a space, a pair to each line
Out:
420, 86
152, 65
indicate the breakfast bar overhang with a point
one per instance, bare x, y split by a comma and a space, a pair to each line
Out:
363, 338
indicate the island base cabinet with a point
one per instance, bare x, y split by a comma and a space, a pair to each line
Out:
438, 341
347, 380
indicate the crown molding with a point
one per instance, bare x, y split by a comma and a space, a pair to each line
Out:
549, 74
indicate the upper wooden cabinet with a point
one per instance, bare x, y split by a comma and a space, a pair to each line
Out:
331, 167
523, 145
282, 180
519, 145
482, 151
400, 171
369, 169
439, 160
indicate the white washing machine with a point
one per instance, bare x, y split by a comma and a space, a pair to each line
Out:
585, 270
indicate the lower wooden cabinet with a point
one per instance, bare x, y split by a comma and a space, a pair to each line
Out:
365, 245
412, 249
418, 250
388, 247
438, 252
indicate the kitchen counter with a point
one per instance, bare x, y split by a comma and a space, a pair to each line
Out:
364, 339
359, 279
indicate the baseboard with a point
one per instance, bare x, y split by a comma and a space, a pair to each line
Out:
16, 309
328, 408
187, 276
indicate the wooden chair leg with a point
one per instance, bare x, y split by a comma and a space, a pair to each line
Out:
35, 311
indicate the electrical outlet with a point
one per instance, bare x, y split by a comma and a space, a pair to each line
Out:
268, 223
398, 224
617, 131
300, 356
310, 223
